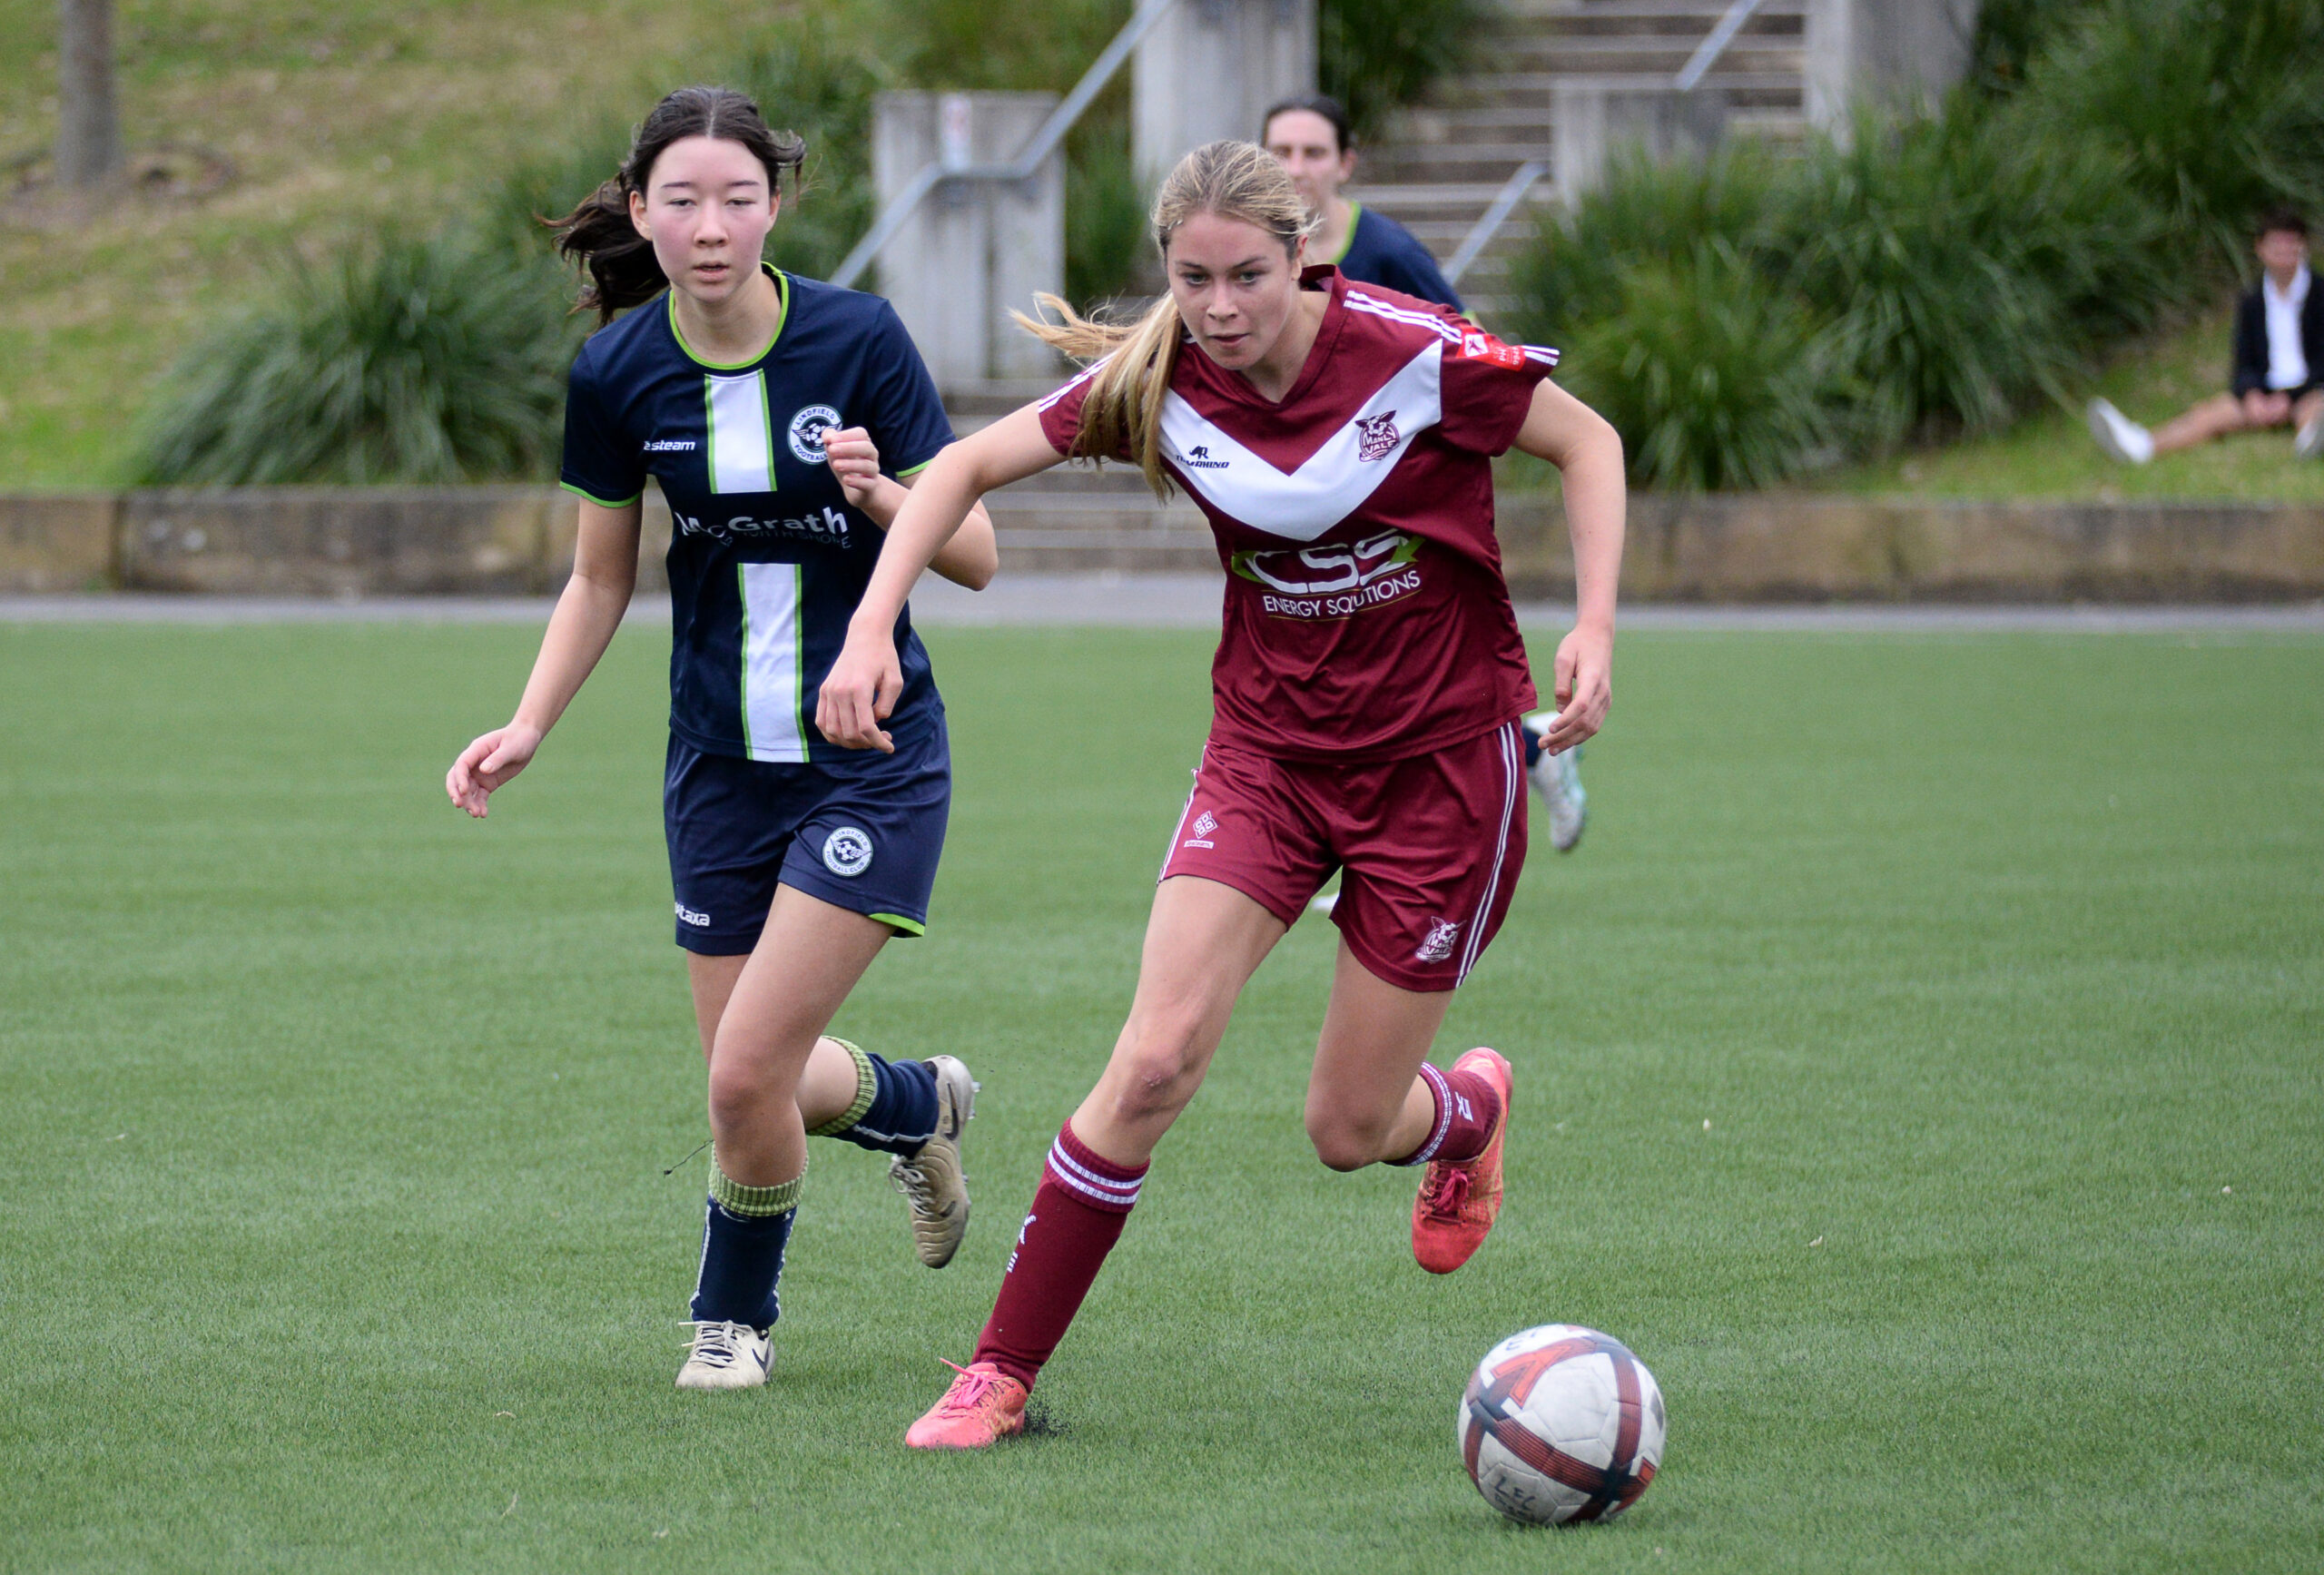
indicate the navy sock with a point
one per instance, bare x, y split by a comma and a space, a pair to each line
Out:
1532, 747
894, 1109
742, 1260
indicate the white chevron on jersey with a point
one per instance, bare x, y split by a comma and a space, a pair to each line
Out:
1331, 483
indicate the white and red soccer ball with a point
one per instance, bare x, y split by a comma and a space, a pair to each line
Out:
1561, 1423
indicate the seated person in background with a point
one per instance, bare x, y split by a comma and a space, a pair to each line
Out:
2278, 362
1309, 138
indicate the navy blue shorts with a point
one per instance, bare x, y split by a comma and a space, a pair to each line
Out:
865, 837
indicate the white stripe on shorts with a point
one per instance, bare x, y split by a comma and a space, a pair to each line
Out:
1511, 775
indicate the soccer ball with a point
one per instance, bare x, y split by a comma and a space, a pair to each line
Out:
1561, 1423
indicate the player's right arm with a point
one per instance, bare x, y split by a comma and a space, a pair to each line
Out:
864, 683
605, 577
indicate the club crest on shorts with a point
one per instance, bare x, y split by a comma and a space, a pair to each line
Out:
1438, 945
847, 851
1376, 436
807, 432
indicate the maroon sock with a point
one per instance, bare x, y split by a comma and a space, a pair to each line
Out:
1078, 1215
1467, 1105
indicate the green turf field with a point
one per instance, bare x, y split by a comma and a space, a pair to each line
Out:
1885, 1055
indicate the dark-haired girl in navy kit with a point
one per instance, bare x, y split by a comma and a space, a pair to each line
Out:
782, 419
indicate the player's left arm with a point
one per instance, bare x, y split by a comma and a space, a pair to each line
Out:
970, 558
1587, 449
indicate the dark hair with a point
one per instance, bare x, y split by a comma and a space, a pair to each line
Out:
598, 233
1315, 103
2289, 219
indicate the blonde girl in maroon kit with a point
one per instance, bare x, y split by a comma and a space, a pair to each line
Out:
1368, 687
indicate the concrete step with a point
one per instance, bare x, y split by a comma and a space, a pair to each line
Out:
1083, 485
1702, 15
1425, 164
1530, 89
1031, 552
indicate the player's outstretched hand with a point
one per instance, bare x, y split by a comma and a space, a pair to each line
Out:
855, 461
486, 764
860, 693
1584, 686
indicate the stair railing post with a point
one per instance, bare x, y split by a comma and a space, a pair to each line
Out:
1209, 69
964, 237
1907, 51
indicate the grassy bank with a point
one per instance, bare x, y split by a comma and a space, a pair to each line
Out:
2050, 454
331, 116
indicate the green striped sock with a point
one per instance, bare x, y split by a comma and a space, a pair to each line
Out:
752, 1202
867, 1088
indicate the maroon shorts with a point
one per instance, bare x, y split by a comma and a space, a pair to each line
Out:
1430, 847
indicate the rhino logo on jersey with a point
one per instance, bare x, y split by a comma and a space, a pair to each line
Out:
1376, 436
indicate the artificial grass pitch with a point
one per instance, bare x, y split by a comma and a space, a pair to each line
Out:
1886, 1058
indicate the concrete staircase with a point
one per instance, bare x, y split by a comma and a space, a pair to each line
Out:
1436, 174
1077, 516
1442, 164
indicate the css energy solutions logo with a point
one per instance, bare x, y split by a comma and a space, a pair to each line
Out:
1333, 582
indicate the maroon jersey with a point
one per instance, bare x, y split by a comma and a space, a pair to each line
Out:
1366, 619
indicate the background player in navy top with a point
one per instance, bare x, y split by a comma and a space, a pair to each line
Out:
781, 417
1310, 138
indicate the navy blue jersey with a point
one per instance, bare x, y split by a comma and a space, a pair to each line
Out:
1381, 252
767, 558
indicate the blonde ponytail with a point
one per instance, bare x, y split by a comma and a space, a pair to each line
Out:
1122, 412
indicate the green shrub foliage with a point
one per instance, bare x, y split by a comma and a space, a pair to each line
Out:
413, 360
2216, 106
1378, 55
1715, 377
1944, 273
1106, 208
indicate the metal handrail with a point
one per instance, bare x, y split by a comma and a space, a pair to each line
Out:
1026, 165
1513, 191
1714, 44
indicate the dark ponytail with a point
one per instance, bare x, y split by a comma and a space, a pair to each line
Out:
598, 233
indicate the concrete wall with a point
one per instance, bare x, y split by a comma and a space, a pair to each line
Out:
972, 250
1891, 49
64, 541
296, 541
1753, 547
1779, 548
1591, 122
1209, 70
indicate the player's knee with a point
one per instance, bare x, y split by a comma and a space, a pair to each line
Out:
740, 1089
1157, 1065
1343, 1142
1156, 1080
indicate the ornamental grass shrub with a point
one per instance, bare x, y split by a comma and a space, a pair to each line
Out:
1944, 273
1716, 377
398, 360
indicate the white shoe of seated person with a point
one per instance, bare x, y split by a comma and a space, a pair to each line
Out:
2310, 442
2121, 438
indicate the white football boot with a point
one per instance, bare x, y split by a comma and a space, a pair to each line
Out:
727, 1356
2308, 441
2121, 438
931, 1180
1558, 779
